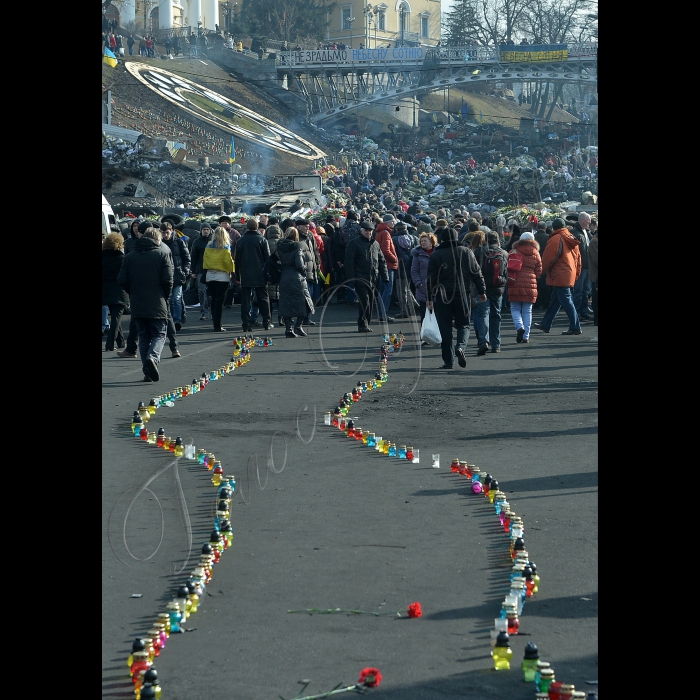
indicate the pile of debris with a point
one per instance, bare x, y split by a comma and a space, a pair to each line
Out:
173, 183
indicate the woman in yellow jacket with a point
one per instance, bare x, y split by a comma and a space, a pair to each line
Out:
218, 263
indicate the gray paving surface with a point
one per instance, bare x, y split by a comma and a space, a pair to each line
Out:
337, 525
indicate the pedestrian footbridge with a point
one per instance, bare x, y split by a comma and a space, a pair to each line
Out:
333, 82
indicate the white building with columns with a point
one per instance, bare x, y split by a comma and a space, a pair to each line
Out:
150, 15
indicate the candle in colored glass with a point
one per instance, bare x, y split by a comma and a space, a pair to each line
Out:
154, 634
409, 453
152, 407
498, 501
350, 428
209, 460
162, 635
172, 446
392, 450
546, 679
151, 437
513, 622
402, 452
327, 418
529, 581
144, 412
137, 645
150, 683
371, 440
179, 447
358, 434
166, 444
529, 664
518, 545
342, 424
336, 416
365, 438
516, 572
505, 607
462, 467
175, 616
193, 596
454, 467
218, 471
227, 532
201, 454
535, 577
143, 434
493, 489
184, 602
554, 690
541, 665
141, 663
502, 652
136, 424
387, 445
354, 395
164, 618
486, 484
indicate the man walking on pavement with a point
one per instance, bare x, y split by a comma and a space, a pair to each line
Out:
364, 265
251, 253
197, 258
562, 263
382, 234
313, 267
181, 267
487, 316
451, 270
147, 277
582, 288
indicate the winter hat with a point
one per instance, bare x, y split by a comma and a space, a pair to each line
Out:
541, 226
400, 227
204, 225
527, 236
146, 223
556, 224
225, 218
301, 222
388, 218
367, 225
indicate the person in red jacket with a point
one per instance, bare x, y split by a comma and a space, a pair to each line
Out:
562, 263
522, 288
382, 234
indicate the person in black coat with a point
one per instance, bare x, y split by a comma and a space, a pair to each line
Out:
364, 265
451, 270
134, 234
113, 295
199, 243
295, 301
181, 271
147, 277
252, 251
306, 237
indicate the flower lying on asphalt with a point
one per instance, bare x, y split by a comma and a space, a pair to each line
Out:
371, 677
414, 610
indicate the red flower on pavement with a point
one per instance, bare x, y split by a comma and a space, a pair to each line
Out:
371, 677
414, 610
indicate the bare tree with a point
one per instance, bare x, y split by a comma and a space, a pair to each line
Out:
557, 21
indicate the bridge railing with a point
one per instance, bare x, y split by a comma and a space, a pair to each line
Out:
450, 55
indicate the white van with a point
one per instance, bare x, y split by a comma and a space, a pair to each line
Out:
108, 218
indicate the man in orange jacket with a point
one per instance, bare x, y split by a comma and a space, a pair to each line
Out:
561, 262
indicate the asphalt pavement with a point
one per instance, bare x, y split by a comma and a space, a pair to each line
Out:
322, 522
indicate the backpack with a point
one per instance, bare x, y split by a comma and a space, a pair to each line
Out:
515, 264
494, 265
272, 269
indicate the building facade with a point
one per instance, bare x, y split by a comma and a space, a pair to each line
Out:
151, 15
373, 24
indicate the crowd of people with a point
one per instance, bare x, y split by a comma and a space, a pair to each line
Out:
464, 268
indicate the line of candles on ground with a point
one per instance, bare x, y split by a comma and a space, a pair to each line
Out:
524, 583
186, 602
339, 417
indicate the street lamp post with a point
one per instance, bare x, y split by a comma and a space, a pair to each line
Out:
402, 13
367, 12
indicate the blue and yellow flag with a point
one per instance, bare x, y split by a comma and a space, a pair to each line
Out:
109, 58
232, 154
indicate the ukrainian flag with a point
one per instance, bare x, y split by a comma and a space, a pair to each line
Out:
109, 58
232, 154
